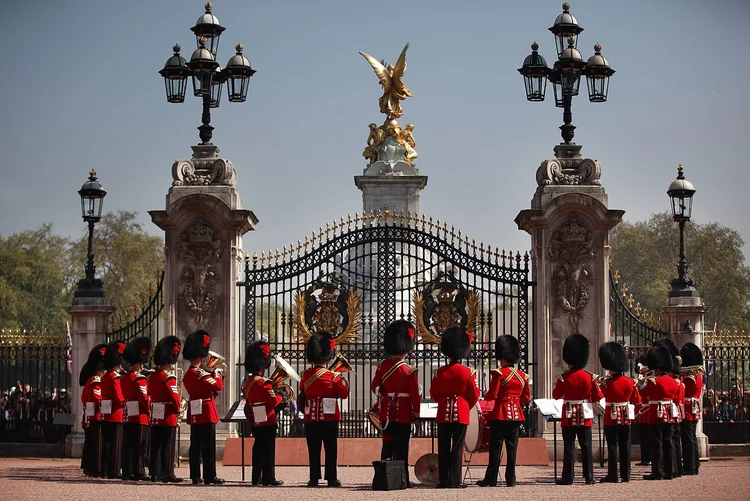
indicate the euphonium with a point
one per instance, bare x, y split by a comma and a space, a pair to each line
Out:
215, 360
282, 372
341, 364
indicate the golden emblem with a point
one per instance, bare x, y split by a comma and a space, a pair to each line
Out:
328, 306
441, 306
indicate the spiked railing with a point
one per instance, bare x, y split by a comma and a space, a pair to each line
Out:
143, 320
630, 323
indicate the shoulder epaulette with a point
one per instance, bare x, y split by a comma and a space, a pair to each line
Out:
171, 376
496, 370
97, 379
140, 376
412, 370
472, 372
651, 380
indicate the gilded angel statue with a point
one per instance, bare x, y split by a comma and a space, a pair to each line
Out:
394, 89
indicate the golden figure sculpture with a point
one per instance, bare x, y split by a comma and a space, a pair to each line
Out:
375, 139
406, 138
394, 89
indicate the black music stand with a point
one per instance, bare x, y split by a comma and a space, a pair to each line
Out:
61, 421
551, 410
236, 414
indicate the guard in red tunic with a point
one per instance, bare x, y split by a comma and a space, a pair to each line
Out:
678, 409
692, 377
579, 390
137, 404
509, 388
397, 386
621, 396
111, 408
91, 398
455, 390
202, 386
261, 405
165, 406
644, 429
660, 392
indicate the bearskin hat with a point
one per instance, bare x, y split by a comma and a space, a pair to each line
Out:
507, 348
576, 351
197, 345
673, 351
691, 355
613, 357
85, 374
96, 358
321, 348
456, 343
257, 357
113, 354
399, 337
167, 350
138, 351
659, 358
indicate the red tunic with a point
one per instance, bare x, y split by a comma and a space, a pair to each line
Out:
578, 388
260, 398
162, 386
660, 392
322, 390
399, 394
509, 388
455, 390
619, 391
92, 392
693, 392
111, 391
202, 385
135, 389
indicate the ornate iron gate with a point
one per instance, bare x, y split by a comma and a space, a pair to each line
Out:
391, 262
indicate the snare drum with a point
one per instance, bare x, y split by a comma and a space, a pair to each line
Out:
478, 430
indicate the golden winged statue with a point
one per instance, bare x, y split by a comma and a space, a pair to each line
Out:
394, 89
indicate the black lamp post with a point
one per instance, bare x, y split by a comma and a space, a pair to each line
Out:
681, 193
207, 76
565, 75
92, 199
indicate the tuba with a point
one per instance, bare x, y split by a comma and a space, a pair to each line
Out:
283, 372
214, 361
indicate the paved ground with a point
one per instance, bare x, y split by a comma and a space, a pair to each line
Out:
60, 480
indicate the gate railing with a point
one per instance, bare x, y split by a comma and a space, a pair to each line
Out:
630, 324
727, 359
145, 322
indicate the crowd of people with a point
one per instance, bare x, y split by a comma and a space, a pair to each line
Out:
28, 414
726, 406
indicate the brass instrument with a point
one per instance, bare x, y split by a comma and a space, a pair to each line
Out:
179, 373
214, 361
282, 372
341, 364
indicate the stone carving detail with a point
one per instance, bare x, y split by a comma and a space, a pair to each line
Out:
200, 250
571, 250
569, 168
205, 168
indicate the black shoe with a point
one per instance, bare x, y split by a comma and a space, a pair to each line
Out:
563, 481
591, 481
153, 478
667, 477
486, 483
626, 480
313, 483
608, 480
334, 483
171, 480
652, 477
197, 481
510, 484
141, 478
443, 486
214, 481
644, 463
274, 483
127, 477
459, 486
689, 472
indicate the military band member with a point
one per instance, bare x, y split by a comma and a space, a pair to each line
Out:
203, 386
455, 390
641, 414
397, 387
137, 405
692, 376
579, 389
509, 389
621, 396
91, 398
261, 405
111, 408
321, 389
678, 409
165, 406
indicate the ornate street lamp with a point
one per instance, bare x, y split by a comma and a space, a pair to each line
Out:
681, 193
92, 199
566, 73
207, 76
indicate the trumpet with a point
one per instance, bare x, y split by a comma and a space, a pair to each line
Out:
214, 361
282, 372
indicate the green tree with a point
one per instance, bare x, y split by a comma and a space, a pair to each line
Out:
646, 254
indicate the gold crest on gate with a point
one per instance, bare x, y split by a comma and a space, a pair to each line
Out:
328, 306
444, 303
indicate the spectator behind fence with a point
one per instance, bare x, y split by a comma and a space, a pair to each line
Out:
726, 410
739, 411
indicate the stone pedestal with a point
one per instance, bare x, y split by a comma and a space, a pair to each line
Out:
399, 193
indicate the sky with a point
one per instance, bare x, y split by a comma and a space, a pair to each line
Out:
81, 91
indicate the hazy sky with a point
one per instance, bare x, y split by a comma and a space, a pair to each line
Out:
80, 90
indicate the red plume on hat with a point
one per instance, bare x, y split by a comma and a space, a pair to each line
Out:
332, 344
470, 336
206, 340
266, 350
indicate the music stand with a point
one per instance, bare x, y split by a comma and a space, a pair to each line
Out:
551, 410
236, 414
63, 419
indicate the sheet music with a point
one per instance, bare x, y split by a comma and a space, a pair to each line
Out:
239, 412
428, 410
550, 408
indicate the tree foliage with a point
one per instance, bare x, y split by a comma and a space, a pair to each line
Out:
646, 254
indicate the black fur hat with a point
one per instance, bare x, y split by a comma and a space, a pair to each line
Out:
613, 357
576, 351
673, 351
507, 348
113, 354
167, 351
321, 348
456, 343
138, 351
399, 337
197, 345
96, 358
691, 355
257, 357
659, 358
85, 374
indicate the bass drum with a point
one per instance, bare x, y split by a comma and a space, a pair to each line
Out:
478, 430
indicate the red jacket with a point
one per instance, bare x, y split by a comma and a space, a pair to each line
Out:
322, 390
619, 391
162, 387
135, 389
111, 391
660, 392
202, 385
576, 387
693, 392
398, 394
92, 392
455, 390
260, 397
509, 388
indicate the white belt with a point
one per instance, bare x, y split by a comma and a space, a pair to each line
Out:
692, 399
661, 402
618, 404
397, 395
575, 402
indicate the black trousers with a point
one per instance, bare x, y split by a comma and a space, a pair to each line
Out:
264, 454
450, 452
203, 446
677, 448
111, 448
317, 434
569, 434
690, 455
618, 438
502, 431
92, 448
645, 433
396, 444
134, 449
661, 450
161, 460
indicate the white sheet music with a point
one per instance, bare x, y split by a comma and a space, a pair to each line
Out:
239, 412
550, 408
428, 410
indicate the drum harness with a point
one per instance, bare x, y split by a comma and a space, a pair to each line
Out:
393, 396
